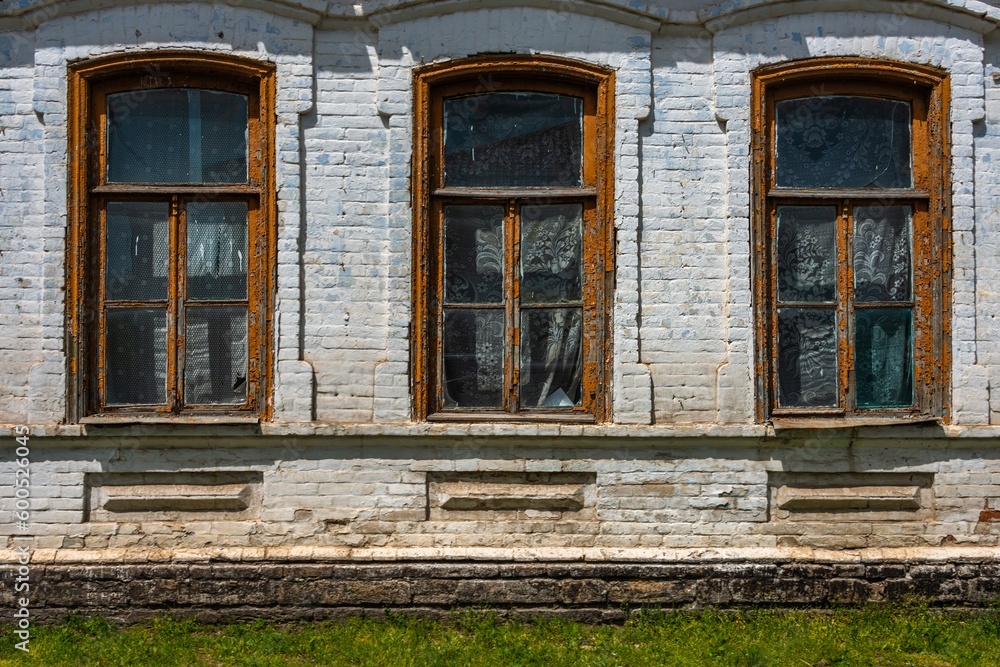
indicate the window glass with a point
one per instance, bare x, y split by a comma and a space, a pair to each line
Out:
884, 357
551, 253
215, 367
882, 238
216, 257
473, 254
842, 141
807, 253
807, 357
177, 135
513, 139
136, 356
473, 357
551, 357
136, 247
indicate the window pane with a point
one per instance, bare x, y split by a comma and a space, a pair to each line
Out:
473, 358
177, 135
217, 250
883, 360
473, 254
882, 253
215, 366
551, 253
843, 142
807, 357
136, 250
513, 139
136, 356
807, 253
551, 357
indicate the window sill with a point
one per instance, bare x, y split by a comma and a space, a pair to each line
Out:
427, 432
133, 419
783, 423
501, 418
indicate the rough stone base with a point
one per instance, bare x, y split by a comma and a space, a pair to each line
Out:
589, 592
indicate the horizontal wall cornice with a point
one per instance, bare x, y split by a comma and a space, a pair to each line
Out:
943, 12
29, 14
714, 16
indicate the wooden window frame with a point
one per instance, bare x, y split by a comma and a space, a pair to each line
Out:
927, 89
89, 84
494, 73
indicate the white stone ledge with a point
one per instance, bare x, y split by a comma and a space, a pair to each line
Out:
915, 555
829, 431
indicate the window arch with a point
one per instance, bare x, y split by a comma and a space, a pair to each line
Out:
171, 242
512, 239
851, 233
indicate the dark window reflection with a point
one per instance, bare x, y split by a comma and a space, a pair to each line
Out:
513, 139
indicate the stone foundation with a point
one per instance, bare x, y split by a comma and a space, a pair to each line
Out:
588, 592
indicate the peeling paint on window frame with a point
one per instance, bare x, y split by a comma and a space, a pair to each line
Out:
89, 83
535, 73
927, 88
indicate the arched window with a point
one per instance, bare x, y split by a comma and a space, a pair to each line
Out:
171, 199
512, 239
852, 239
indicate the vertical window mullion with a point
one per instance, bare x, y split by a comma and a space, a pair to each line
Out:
254, 278
175, 307
512, 287
926, 289
437, 299
845, 306
772, 289
101, 313
592, 320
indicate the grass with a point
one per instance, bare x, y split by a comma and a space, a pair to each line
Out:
908, 635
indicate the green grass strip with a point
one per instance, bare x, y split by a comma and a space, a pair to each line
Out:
884, 636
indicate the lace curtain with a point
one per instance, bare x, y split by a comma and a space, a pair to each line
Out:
515, 139
842, 142
883, 336
807, 337
551, 316
551, 273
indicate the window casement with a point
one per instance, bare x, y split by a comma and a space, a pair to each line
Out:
512, 238
851, 230
171, 242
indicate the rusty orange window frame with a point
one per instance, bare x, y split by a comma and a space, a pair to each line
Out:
531, 73
89, 84
927, 89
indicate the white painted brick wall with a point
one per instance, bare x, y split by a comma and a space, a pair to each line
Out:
346, 493
25, 273
683, 321
987, 168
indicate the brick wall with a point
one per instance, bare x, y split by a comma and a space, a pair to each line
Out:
341, 474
